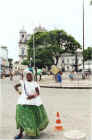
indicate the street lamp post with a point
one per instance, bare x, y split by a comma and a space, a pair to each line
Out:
33, 56
76, 62
34, 50
35, 69
78, 53
83, 33
30, 61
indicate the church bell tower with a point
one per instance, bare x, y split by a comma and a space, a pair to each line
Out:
22, 45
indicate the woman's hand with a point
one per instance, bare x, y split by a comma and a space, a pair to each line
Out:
19, 92
17, 88
32, 96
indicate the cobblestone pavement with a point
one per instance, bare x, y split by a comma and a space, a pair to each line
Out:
74, 106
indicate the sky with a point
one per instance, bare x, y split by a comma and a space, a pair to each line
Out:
51, 14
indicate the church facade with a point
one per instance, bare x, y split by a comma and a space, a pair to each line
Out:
23, 37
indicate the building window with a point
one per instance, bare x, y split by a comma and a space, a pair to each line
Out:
23, 50
67, 60
63, 61
22, 36
67, 67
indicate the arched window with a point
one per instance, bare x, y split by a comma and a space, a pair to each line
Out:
23, 51
22, 35
67, 67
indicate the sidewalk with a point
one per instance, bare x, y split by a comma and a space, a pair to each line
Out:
49, 82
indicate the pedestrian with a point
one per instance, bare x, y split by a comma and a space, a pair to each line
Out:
31, 116
71, 75
22, 76
59, 77
83, 75
30, 68
39, 72
11, 75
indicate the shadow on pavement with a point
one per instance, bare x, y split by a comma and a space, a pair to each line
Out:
43, 135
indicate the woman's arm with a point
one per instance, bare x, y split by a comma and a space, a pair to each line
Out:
16, 87
37, 91
33, 96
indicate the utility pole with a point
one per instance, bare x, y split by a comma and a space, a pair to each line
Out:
35, 69
83, 33
34, 50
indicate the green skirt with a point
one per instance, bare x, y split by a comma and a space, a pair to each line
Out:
32, 119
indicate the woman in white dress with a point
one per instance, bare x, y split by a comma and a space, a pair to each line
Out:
31, 116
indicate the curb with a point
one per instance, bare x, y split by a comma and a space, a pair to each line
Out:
66, 87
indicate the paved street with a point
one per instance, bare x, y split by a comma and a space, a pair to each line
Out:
78, 82
74, 106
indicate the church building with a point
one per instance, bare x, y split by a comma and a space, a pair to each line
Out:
22, 45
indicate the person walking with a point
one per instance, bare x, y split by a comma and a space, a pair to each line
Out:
31, 116
59, 77
11, 75
71, 75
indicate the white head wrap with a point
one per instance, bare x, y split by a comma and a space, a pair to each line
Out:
25, 72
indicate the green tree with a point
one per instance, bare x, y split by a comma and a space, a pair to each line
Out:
55, 41
25, 62
88, 53
44, 58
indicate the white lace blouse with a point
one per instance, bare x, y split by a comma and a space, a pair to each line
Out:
30, 90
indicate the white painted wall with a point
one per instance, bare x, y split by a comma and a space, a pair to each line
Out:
68, 60
4, 53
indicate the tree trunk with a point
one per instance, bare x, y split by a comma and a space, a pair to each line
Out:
57, 58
